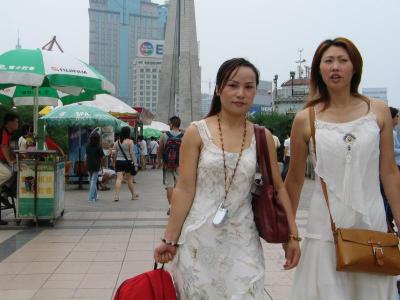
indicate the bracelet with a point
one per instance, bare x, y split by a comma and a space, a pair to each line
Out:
295, 237
169, 243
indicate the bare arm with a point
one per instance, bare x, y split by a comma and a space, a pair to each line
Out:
183, 194
389, 172
132, 153
299, 138
159, 152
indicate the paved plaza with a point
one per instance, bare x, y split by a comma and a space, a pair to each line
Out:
91, 250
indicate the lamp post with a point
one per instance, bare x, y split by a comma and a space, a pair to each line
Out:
292, 74
276, 85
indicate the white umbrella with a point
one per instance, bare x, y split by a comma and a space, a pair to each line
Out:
111, 105
157, 125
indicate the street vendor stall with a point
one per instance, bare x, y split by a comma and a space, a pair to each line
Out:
40, 185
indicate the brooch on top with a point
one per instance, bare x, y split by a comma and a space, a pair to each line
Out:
349, 139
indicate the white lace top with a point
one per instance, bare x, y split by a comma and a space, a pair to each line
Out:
351, 172
223, 262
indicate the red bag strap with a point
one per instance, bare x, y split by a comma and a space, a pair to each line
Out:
311, 111
263, 160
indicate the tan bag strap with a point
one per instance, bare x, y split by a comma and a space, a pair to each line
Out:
311, 111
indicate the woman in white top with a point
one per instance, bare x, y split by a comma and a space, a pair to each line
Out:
354, 147
221, 259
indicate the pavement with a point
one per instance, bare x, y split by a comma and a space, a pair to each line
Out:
89, 251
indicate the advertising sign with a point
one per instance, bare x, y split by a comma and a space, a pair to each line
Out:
150, 48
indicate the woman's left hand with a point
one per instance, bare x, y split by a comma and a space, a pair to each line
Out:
292, 254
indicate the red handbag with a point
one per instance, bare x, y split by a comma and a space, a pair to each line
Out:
269, 213
152, 285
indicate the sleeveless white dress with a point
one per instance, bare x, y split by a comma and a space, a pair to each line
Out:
352, 179
223, 262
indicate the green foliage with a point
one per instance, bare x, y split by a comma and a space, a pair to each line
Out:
280, 124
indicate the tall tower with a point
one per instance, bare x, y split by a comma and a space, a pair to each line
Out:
180, 72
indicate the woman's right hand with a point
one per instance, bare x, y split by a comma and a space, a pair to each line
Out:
164, 253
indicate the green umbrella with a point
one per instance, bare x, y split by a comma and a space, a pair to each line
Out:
25, 95
78, 115
41, 68
151, 132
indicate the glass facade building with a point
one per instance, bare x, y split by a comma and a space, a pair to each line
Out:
115, 28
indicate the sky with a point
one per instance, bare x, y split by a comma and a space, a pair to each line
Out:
268, 33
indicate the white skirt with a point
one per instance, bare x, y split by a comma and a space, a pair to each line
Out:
316, 278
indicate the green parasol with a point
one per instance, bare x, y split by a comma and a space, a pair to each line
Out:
41, 68
151, 132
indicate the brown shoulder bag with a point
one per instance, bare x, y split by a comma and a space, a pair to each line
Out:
361, 250
269, 213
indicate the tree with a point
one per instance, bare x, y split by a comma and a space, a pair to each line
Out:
280, 124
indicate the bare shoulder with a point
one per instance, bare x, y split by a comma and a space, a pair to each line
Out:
192, 134
302, 117
381, 111
301, 126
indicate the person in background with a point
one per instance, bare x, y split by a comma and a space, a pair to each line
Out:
7, 157
286, 157
52, 145
168, 156
143, 152
276, 139
124, 157
25, 140
94, 156
153, 151
105, 176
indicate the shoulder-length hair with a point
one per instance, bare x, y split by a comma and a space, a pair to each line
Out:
318, 90
225, 72
125, 133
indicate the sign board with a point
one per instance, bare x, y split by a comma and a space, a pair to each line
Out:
150, 48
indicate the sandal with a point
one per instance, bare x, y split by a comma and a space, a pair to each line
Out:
135, 197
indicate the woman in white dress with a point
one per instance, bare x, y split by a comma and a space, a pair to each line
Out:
351, 173
224, 261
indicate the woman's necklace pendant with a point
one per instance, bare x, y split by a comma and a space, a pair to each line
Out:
220, 215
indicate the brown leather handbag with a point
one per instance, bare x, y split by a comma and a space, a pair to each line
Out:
361, 250
269, 213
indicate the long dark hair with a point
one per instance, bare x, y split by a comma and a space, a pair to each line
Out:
318, 89
225, 72
94, 139
125, 133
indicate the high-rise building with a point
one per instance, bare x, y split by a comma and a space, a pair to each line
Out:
116, 26
147, 67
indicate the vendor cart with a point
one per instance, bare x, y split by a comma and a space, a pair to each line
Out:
40, 185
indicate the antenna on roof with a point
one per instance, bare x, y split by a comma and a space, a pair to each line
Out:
18, 45
300, 61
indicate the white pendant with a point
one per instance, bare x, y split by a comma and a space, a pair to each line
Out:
220, 215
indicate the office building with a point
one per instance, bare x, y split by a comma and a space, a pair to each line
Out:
115, 30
